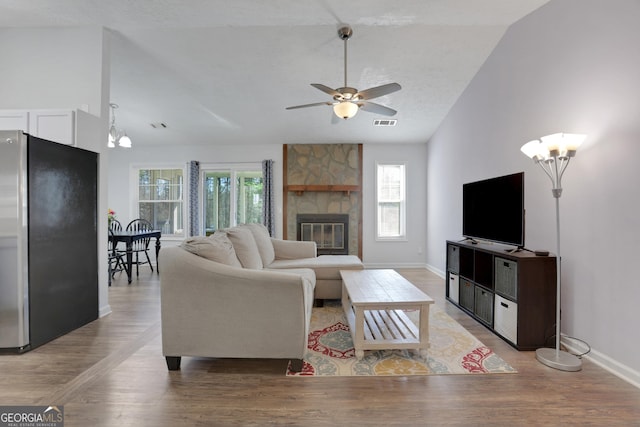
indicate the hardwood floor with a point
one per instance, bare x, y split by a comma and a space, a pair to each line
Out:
112, 373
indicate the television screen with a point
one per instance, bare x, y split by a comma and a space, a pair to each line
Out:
493, 209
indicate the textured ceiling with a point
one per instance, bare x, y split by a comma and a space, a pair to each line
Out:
222, 72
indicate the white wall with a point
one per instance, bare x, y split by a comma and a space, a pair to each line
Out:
379, 254
571, 66
409, 253
51, 68
122, 176
46, 68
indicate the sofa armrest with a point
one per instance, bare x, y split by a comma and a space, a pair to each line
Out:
214, 310
293, 249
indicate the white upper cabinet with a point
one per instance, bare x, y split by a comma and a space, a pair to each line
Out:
54, 125
14, 120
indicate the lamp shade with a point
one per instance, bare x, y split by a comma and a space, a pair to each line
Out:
565, 143
574, 140
124, 141
534, 150
345, 109
553, 142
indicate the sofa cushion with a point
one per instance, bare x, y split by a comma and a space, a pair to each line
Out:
245, 247
294, 249
263, 241
216, 247
326, 267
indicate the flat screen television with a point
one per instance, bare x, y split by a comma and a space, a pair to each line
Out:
493, 209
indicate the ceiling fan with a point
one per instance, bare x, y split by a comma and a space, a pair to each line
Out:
348, 100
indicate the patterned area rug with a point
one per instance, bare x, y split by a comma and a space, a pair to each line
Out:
453, 350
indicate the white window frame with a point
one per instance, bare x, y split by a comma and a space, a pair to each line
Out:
233, 169
134, 208
402, 236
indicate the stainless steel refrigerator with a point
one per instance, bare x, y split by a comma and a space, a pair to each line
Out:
48, 240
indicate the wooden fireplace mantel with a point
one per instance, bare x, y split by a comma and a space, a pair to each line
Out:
300, 189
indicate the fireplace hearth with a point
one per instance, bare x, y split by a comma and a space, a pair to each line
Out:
329, 231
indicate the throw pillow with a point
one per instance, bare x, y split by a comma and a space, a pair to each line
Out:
263, 240
245, 247
216, 248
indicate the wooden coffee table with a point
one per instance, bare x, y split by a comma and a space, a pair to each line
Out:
374, 302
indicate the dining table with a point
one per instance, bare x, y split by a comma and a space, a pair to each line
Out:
128, 237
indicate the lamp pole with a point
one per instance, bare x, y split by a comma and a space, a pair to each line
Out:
552, 154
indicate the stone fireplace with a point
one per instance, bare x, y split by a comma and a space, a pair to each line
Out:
324, 180
329, 231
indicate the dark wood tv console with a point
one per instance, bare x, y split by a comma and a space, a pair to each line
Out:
511, 293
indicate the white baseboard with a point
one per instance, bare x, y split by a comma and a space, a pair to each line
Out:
375, 265
436, 271
104, 311
605, 362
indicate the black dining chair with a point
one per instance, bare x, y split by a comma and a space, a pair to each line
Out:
115, 225
141, 245
115, 257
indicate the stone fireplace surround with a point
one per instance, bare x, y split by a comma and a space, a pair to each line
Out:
323, 179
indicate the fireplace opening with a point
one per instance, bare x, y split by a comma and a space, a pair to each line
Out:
329, 231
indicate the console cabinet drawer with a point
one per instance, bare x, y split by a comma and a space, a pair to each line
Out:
453, 258
506, 319
506, 277
467, 294
484, 305
454, 288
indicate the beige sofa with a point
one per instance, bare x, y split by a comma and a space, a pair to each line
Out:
242, 294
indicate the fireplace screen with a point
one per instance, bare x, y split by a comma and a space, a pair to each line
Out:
329, 231
326, 236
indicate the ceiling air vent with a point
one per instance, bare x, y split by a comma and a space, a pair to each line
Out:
384, 122
158, 125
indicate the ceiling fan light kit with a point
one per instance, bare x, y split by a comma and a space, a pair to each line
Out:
345, 109
348, 100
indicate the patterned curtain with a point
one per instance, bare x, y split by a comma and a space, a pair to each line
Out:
268, 208
194, 206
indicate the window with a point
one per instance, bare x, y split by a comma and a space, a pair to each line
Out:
160, 199
232, 196
390, 200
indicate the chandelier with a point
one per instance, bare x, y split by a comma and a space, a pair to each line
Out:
117, 136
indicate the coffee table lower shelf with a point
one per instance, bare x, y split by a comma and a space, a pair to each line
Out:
383, 329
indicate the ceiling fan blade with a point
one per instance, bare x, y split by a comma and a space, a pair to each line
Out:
309, 105
326, 89
376, 108
377, 91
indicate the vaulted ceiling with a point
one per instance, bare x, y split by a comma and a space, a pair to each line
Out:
223, 72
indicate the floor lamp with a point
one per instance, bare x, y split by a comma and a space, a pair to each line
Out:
552, 153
